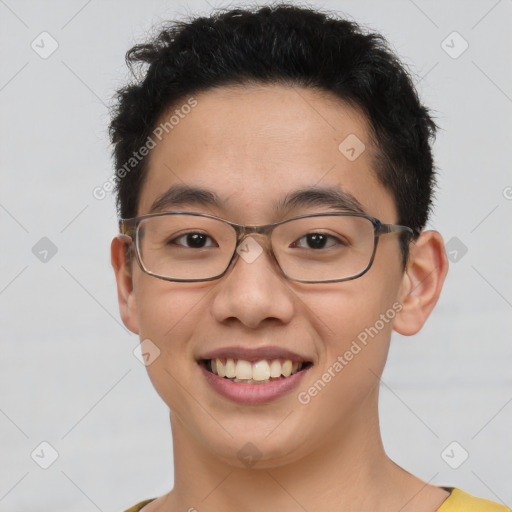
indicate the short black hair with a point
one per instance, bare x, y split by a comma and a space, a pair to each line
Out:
280, 44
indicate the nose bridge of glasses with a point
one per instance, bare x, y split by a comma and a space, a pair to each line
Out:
261, 234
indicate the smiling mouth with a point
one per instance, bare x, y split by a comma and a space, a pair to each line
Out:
264, 371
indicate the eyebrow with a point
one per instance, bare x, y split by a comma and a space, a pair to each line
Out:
331, 197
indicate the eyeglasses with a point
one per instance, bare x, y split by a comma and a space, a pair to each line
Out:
316, 248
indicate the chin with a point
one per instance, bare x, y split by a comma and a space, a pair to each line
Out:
270, 446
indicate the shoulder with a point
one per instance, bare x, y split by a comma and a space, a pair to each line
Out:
460, 501
139, 505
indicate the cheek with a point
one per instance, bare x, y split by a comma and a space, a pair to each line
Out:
364, 307
352, 360
353, 321
169, 316
167, 311
355, 330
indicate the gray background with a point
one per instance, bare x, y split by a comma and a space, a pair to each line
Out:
68, 375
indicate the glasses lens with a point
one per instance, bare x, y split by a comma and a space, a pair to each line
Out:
324, 248
185, 246
317, 248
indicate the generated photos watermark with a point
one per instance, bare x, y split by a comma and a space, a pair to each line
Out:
357, 345
100, 192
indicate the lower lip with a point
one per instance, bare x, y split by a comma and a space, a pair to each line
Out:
252, 393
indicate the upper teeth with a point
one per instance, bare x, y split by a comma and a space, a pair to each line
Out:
260, 370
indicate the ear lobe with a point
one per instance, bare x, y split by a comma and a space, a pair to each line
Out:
125, 292
422, 283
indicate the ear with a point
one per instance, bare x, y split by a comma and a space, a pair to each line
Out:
125, 292
423, 280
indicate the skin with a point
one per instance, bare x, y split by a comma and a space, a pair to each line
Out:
252, 145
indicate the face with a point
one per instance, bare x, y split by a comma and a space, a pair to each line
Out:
252, 147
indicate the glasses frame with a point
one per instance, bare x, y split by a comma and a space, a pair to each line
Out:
129, 233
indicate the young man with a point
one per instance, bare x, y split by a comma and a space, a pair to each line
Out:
274, 176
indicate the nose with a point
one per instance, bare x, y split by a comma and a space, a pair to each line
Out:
253, 291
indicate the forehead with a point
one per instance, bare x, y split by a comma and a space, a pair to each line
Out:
253, 145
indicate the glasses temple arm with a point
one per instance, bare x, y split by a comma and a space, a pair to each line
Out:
126, 228
395, 228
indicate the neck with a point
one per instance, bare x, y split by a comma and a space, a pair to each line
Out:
349, 472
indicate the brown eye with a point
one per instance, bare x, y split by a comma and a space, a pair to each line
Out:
317, 241
193, 240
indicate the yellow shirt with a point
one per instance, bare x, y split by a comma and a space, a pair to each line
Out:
458, 501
